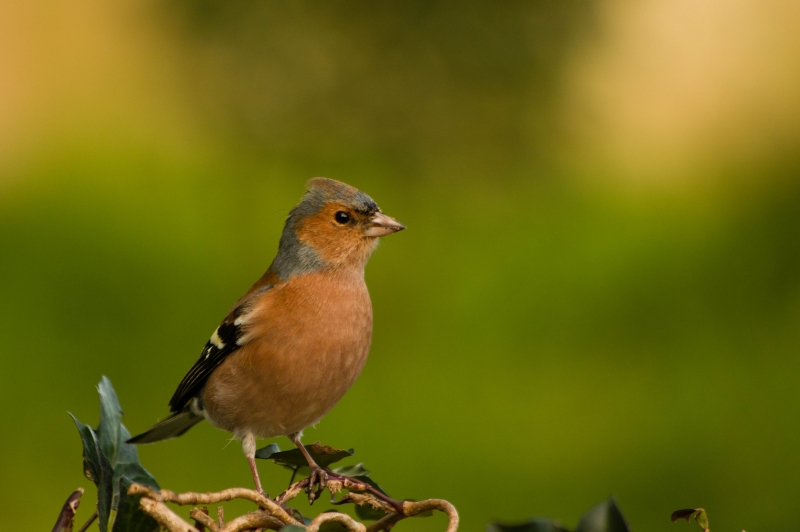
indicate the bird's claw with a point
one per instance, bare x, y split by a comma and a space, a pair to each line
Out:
317, 482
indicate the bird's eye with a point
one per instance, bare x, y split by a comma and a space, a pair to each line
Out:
341, 217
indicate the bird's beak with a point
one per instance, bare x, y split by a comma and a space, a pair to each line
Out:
381, 225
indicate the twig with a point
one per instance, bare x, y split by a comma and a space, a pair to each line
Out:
66, 516
366, 498
221, 516
412, 508
253, 520
291, 492
343, 482
385, 523
88, 523
202, 518
335, 517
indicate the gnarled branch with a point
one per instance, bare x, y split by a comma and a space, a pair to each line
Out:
273, 516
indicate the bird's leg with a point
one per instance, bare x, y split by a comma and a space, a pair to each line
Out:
254, 470
249, 449
317, 476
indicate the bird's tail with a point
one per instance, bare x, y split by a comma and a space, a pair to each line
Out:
172, 427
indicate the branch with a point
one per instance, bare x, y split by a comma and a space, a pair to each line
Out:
273, 516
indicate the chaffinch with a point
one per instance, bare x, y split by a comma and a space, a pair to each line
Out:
296, 341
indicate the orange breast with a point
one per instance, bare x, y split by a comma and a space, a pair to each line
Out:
305, 345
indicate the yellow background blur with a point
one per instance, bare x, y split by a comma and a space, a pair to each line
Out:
599, 290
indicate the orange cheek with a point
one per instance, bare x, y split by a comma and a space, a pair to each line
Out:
333, 244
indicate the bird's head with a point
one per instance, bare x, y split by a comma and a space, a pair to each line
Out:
334, 226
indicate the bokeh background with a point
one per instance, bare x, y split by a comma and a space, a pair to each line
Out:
599, 289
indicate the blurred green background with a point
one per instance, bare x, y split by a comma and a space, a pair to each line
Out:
599, 290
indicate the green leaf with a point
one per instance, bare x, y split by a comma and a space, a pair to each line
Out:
108, 431
362, 511
106, 456
112, 435
368, 513
266, 452
605, 517
91, 451
323, 455
332, 526
129, 516
98, 469
699, 515
534, 525
105, 493
351, 470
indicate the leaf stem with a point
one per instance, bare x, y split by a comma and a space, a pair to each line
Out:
89, 522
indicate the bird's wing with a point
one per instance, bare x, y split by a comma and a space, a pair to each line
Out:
221, 345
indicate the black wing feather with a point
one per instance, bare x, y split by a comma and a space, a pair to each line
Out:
228, 334
212, 356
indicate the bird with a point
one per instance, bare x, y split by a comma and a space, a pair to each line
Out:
296, 341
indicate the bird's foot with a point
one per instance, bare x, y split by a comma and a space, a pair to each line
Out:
317, 482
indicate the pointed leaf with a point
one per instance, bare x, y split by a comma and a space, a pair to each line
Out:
351, 470
266, 452
106, 456
98, 469
686, 513
605, 517
699, 515
702, 519
323, 455
91, 451
110, 419
105, 493
112, 435
534, 525
129, 516
366, 512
